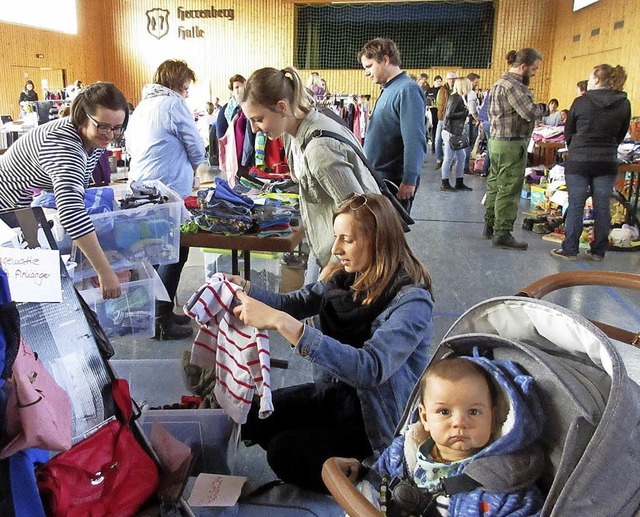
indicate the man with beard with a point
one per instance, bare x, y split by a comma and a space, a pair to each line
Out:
512, 115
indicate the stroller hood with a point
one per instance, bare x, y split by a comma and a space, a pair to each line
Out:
592, 408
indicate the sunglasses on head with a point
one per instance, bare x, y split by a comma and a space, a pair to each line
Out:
356, 201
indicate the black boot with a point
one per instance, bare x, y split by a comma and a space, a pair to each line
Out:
446, 187
506, 241
460, 184
167, 328
180, 319
487, 232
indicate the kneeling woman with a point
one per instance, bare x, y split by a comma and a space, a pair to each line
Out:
375, 313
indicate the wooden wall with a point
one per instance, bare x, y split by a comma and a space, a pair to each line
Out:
113, 45
261, 34
81, 55
574, 60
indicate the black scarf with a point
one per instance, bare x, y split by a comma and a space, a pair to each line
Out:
350, 321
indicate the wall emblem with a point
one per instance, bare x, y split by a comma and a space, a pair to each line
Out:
158, 22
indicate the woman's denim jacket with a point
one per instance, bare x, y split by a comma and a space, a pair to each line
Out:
384, 370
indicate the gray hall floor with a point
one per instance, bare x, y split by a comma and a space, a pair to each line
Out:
465, 270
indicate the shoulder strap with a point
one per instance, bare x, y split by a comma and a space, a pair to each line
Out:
460, 483
382, 185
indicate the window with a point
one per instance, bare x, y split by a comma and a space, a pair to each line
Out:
428, 34
59, 16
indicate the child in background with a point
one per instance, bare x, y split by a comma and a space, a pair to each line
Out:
477, 417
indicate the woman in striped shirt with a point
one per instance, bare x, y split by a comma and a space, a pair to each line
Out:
60, 156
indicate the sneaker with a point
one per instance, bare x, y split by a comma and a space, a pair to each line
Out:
487, 232
560, 253
506, 241
446, 187
170, 330
597, 258
438, 165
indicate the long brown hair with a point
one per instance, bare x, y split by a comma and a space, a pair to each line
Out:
611, 76
378, 221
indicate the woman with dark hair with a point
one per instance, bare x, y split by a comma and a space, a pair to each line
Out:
164, 144
375, 315
596, 125
60, 156
229, 110
28, 94
277, 103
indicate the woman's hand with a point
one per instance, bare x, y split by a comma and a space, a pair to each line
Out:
255, 313
236, 279
109, 285
109, 282
259, 315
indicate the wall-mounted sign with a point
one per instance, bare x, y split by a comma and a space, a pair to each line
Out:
158, 21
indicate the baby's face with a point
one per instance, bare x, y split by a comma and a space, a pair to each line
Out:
458, 415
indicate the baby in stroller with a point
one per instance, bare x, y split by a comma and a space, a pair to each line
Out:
473, 450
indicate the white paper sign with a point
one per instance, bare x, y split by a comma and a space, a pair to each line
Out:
216, 490
7, 235
33, 274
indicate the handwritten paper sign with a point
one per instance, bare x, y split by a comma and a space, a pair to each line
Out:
216, 490
33, 274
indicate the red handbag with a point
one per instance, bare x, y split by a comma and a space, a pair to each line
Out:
107, 474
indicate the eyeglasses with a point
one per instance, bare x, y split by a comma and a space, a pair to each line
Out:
105, 129
356, 201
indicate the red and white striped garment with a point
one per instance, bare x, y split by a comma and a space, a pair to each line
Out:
239, 352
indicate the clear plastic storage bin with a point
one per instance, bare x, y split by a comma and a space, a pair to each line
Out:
212, 436
132, 313
148, 232
265, 266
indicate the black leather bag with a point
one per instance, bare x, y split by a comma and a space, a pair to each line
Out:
457, 142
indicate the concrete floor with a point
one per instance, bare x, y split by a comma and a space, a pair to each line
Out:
465, 270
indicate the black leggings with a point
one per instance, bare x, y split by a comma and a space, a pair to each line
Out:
307, 427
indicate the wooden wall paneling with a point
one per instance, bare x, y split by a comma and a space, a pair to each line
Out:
262, 34
79, 55
259, 35
574, 60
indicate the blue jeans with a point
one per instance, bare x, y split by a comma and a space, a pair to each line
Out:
450, 156
580, 188
439, 150
487, 159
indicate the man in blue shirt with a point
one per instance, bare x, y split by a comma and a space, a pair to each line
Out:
395, 140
